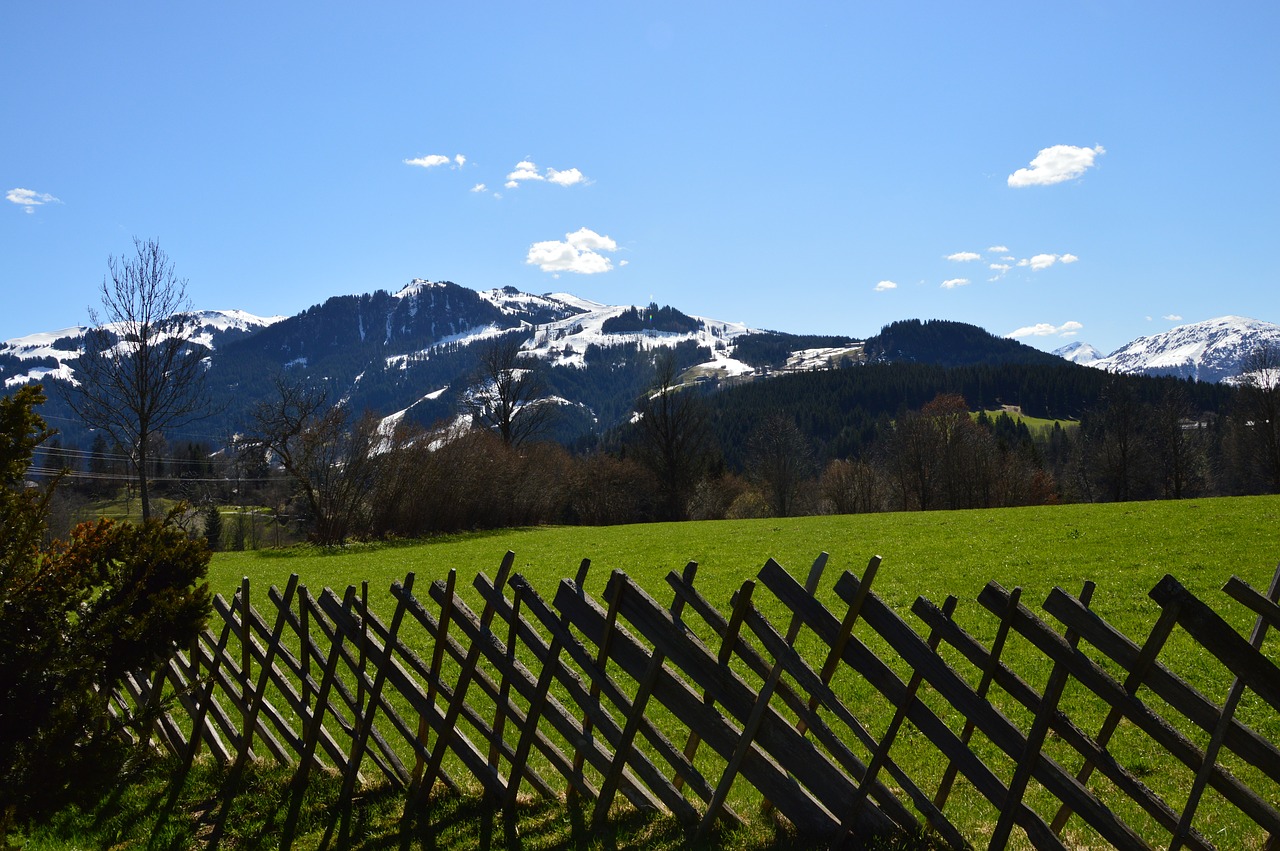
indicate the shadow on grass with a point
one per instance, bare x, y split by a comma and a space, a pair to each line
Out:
258, 807
309, 550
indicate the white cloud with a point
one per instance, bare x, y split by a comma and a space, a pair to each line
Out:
999, 249
591, 241
479, 187
524, 170
1068, 258
527, 170
578, 253
460, 159
1045, 329
1056, 164
1172, 317
952, 283
29, 198
565, 178
1000, 267
1042, 261
885, 286
964, 256
429, 161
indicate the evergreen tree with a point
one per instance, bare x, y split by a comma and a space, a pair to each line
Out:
213, 526
76, 618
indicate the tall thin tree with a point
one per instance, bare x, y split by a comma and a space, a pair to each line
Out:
676, 441
141, 370
508, 394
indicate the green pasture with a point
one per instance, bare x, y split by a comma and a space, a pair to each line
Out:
1035, 424
1124, 548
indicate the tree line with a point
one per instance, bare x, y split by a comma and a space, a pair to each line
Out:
880, 436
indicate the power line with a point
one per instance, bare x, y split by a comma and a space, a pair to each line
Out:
118, 456
118, 477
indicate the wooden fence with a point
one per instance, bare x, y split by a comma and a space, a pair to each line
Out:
686, 710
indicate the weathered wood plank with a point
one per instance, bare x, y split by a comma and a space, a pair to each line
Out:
1183, 830
1067, 729
579, 693
859, 657
775, 739
1087, 672
642, 795
623, 752
1255, 671
1194, 706
714, 729
459, 653
956, 691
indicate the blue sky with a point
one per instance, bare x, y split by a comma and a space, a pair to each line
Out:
817, 168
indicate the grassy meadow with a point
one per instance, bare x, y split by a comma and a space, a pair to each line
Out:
1124, 548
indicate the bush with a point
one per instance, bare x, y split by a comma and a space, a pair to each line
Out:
76, 617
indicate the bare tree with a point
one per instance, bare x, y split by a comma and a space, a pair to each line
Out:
1260, 407
1178, 442
779, 459
676, 440
508, 393
1117, 443
140, 371
331, 460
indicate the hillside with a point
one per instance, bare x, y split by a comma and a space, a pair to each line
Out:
412, 354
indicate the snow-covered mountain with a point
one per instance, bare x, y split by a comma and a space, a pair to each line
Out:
1079, 352
49, 355
1210, 351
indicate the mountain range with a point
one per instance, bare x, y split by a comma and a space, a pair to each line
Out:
1213, 351
413, 353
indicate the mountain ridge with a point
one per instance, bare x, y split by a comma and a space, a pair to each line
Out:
411, 353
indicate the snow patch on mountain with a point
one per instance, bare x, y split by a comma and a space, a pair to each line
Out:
1210, 351
42, 345
1079, 352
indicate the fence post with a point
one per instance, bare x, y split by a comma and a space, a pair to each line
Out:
881, 755
312, 733
433, 678
761, 705
504, 695
246, 735
264, 676
536, 704
598, 674
1146, 658
644, 691
464, 678
842, 638
364, 724
727, 642
358, 732
988, 675
1035, 737
304, 644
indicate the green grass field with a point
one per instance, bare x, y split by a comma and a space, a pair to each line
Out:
1124, 548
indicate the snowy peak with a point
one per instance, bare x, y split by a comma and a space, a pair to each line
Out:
1211, 351
564, 342
1079, 352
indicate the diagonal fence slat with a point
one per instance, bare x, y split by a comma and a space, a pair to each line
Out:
564, 696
